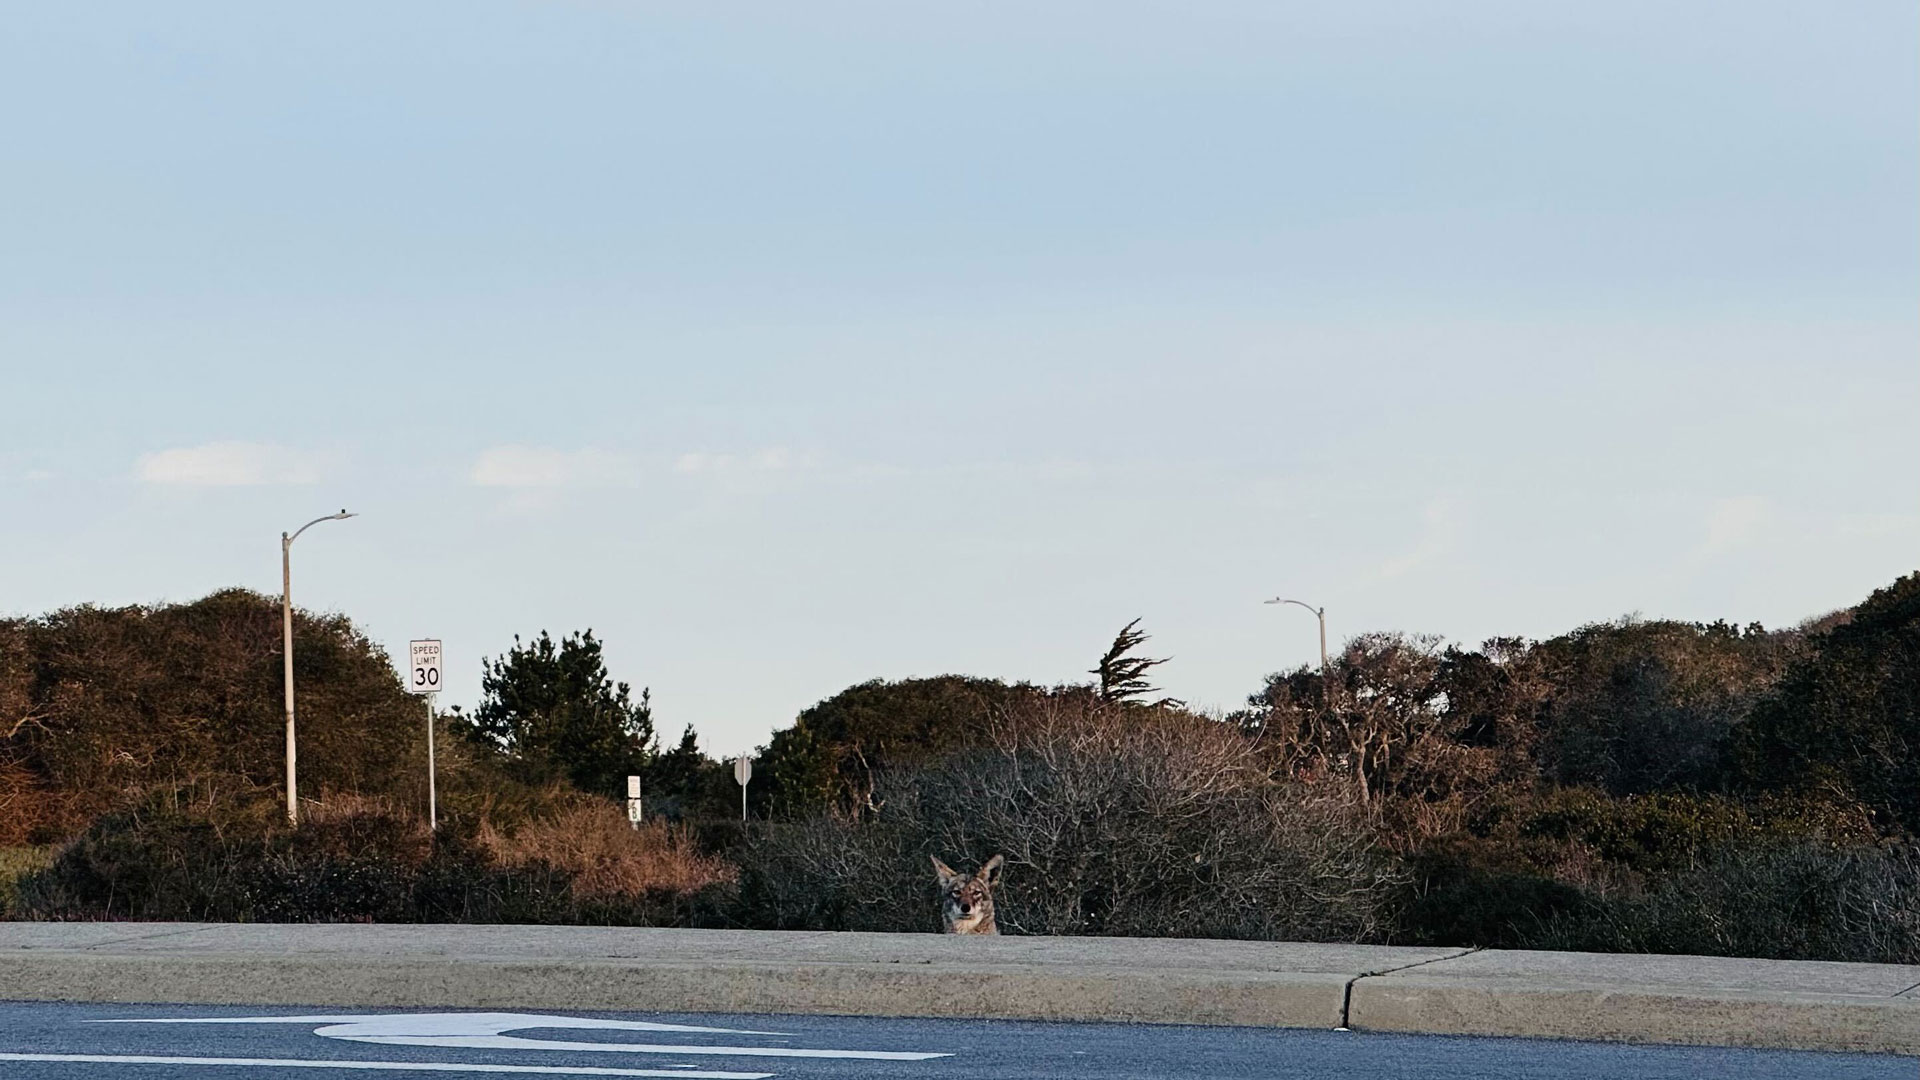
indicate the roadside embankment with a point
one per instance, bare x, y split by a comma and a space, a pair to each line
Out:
1659, 999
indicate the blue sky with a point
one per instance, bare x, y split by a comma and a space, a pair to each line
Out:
791, 345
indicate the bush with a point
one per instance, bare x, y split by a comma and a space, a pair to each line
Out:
361, 860
1801, 901
592, 841
1637, 707
16, 863
1845, 720
1548, 857
1121, 820
100, 706
832, 758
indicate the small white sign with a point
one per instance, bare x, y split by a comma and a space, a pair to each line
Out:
423, 667
633, 810
742, 769
633, 787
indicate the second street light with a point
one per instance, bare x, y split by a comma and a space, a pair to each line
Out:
286, 648
1326, 679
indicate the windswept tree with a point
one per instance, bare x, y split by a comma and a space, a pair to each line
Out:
554, 713
1123, 675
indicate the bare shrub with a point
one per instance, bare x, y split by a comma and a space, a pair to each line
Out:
832, 872
592, 840
1122, 820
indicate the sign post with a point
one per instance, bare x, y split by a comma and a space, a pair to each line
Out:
743, 772
634, 812
423, 678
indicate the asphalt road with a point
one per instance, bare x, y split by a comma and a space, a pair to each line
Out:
148, 1042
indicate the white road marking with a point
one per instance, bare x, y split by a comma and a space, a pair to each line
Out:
388, 1066
484, 1031
460, 1023
513, 1042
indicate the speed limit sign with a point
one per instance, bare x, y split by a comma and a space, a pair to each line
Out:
423, 667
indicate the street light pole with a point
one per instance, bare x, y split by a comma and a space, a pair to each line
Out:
286, 648
1326, 678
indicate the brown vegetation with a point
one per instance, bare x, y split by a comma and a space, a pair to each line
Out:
360, 858
100, 706
1630, 785
592, 841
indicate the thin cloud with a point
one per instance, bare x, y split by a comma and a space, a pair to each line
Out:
229, 464
772, 459
1046, 470
526, 468
548, 467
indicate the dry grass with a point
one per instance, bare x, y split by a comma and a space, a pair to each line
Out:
339, 807
592, 840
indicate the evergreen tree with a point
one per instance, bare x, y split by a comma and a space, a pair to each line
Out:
555, 714
1122, 675
685, 783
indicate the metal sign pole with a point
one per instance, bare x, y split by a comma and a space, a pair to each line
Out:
433, 794
742, 772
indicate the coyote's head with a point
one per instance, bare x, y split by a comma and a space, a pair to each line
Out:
966, 900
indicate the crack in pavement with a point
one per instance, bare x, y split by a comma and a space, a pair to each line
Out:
148, 937
1346, 999
1908, 990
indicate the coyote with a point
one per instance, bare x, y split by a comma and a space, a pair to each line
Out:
966, 900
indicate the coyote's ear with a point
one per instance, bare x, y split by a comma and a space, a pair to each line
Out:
990, 873
945, 872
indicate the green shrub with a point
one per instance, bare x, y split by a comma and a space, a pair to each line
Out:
1527, 862
16, 863
1464, 901
101, 705
835, 752
1845, 719
1796, 901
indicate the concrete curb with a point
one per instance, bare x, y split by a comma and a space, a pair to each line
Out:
1777, 1021
964, 991
1703, 1001
1715, 1001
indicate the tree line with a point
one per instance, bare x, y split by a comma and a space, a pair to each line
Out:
1603, 788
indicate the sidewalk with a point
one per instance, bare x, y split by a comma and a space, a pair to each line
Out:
1665, 999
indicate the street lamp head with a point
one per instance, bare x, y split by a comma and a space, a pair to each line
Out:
1297, 603
341, 516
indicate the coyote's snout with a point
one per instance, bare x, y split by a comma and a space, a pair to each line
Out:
966, 900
